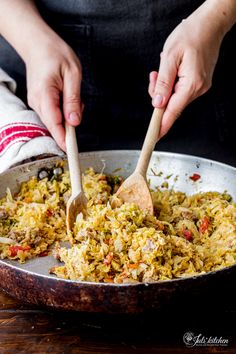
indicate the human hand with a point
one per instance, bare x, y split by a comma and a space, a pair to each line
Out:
187, 64
54, 77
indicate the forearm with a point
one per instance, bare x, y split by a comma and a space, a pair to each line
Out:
23, 27
220, 15
224, 11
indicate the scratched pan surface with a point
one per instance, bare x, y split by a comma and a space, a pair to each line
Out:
31, 282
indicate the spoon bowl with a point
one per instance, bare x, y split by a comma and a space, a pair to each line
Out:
135, 188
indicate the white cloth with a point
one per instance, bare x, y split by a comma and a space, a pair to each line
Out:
22, 134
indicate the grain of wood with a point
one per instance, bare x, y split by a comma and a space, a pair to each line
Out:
26, 329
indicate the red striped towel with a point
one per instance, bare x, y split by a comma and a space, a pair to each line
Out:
22, 134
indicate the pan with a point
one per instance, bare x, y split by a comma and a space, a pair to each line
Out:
31, 283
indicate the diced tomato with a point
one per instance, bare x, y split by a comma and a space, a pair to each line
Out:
14, 249
49, 212
108, 259
133, 265
123, 275
204, 224
188, 234
44, 254
195, 177
28, 200
108, 280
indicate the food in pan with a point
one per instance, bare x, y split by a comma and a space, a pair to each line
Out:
117, 242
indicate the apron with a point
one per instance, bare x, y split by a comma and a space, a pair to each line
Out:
119, 43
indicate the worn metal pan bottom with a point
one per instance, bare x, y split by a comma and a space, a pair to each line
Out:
31, 283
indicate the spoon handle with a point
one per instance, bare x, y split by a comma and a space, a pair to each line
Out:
73, 160
150, 141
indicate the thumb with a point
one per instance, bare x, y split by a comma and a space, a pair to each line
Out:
72, 105
165, 81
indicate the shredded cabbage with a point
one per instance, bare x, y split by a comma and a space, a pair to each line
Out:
116, 242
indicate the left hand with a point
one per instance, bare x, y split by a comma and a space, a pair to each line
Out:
187, 64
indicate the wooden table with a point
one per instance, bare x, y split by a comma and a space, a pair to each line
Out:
30, 329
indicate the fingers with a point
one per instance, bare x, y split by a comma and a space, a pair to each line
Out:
186, 90
45, 101
72, 105
51, 115
152, 83
54, 90
164, 81
177, 102
192, 83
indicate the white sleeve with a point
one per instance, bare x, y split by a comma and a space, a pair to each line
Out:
22, 134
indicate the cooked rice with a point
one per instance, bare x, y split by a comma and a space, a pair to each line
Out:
118, 242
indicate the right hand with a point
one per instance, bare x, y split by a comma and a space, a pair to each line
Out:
54, 77
189, 58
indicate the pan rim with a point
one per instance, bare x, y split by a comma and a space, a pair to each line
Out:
135, 151
133, 284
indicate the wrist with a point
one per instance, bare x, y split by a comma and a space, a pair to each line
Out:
23, 27
219, 16
47, 39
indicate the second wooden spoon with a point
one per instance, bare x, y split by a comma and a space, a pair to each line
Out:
135, 188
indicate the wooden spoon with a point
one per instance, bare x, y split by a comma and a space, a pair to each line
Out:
77, 203
135, 188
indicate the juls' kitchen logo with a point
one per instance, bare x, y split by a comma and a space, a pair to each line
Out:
193, 340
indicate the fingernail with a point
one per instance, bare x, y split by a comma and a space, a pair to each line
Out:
74, 117
158, 100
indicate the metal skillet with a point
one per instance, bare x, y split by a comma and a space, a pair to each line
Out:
31, 282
